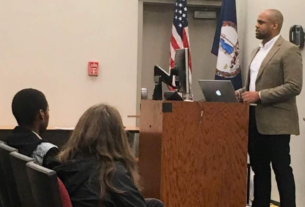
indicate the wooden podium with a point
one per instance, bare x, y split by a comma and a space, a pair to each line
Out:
194, 154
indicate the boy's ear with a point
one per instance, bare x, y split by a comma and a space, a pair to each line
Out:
41, 114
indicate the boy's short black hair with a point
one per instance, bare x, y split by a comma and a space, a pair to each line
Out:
26, 104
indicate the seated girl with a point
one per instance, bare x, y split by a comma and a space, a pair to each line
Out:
98, 167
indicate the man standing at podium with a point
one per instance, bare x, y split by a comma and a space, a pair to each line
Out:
274, 80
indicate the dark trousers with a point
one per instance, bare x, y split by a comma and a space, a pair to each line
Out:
274, 149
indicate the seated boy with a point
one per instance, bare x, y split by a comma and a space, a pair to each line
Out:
31, 111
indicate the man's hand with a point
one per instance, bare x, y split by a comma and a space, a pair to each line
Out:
238, 95
250, 96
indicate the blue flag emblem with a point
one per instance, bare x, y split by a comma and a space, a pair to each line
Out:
226, 45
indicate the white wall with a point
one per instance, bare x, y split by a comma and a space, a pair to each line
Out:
47, 45
241, 12
293, 12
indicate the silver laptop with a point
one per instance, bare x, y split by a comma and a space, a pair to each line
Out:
218, 90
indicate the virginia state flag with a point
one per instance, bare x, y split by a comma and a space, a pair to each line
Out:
226, 45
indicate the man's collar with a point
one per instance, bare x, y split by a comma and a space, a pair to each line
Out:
270, 43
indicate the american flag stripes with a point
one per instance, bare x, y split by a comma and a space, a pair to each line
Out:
180, 33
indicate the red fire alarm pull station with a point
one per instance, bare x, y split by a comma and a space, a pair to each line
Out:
93, 68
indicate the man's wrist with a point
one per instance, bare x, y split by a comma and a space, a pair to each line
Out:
238, 95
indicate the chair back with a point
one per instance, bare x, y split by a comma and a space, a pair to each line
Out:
8, 188
44, 185
66, 201
18, 162
0, 195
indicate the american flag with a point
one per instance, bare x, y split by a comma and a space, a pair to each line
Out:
180, 33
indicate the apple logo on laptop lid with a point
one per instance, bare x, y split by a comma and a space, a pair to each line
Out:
218, 93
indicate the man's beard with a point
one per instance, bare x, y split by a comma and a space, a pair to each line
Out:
260, 36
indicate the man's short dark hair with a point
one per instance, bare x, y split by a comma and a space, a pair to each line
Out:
26, 104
